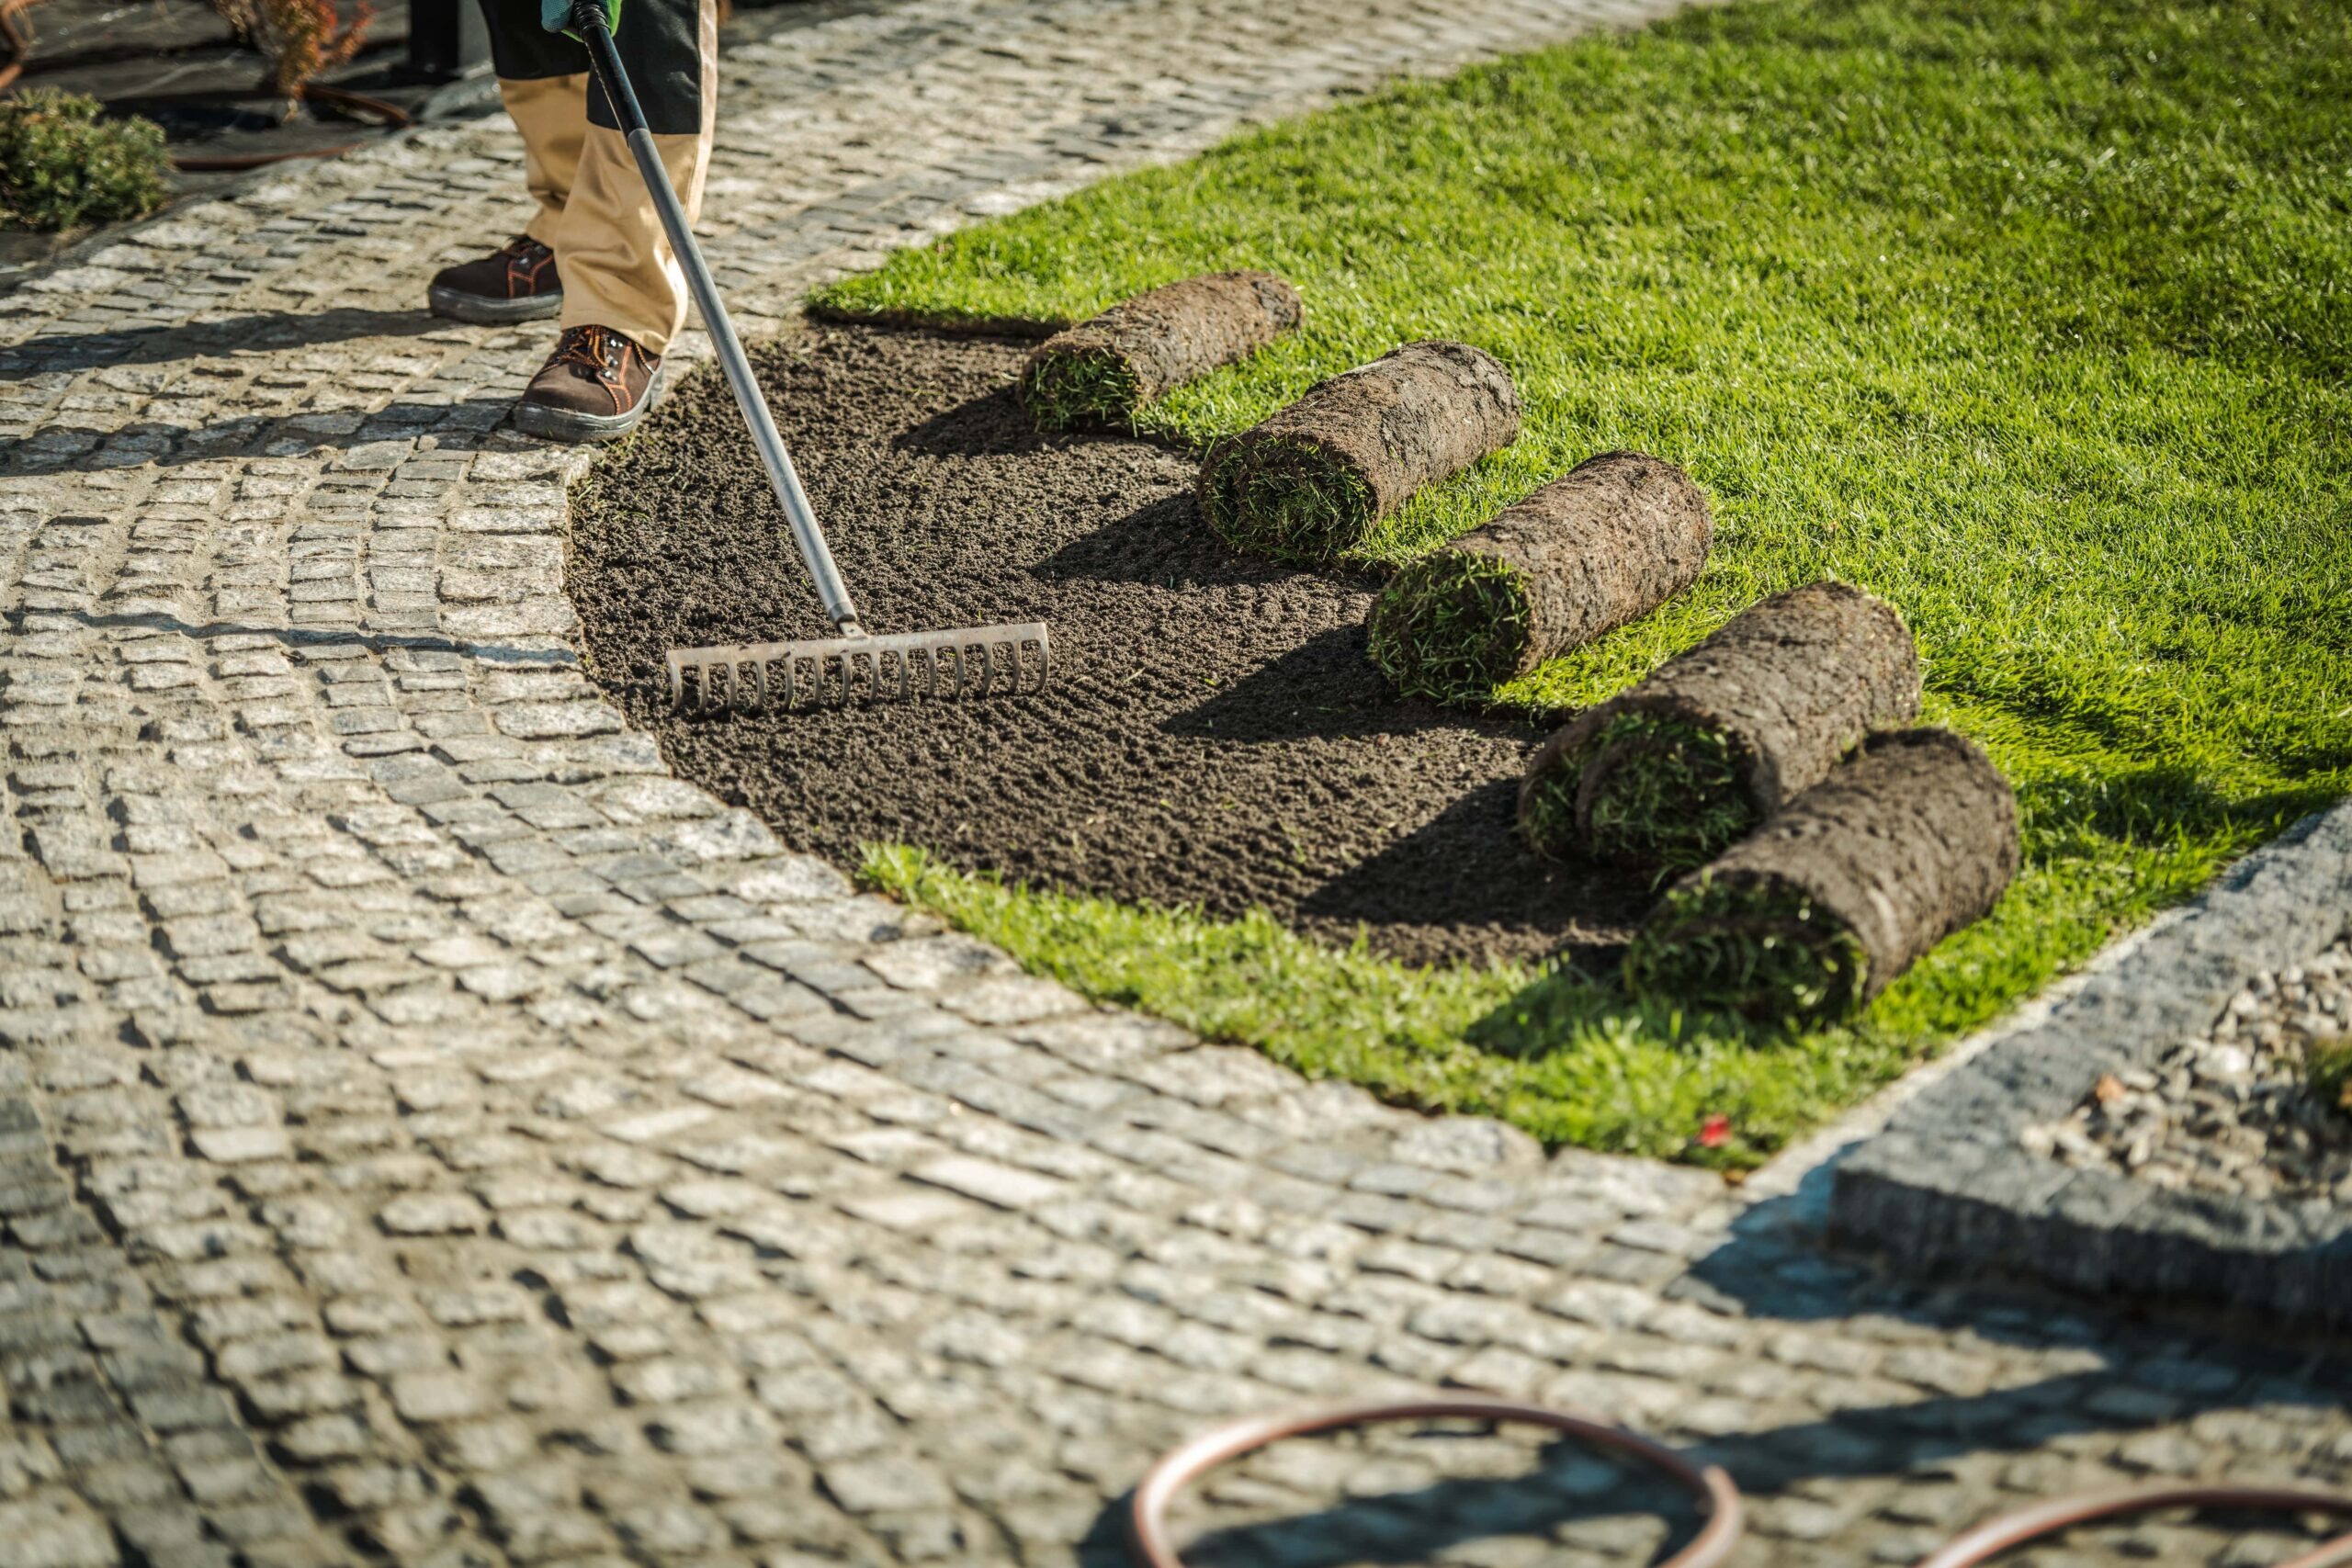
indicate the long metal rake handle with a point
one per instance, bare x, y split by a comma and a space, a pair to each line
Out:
588, 21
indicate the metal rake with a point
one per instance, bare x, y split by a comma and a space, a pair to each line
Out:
1013, 657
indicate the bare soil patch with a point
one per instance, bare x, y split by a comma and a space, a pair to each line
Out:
1215, 735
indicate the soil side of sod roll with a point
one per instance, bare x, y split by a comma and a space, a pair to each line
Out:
1818, 913
1612, 540
1311, 480
1215, 734
1098, 373
1718, 738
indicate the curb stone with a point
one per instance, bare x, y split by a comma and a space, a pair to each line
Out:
1948, 1186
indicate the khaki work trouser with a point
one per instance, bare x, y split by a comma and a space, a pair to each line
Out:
616, 265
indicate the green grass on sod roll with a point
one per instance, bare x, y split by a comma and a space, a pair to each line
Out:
1765, 950
1450, 626
1065, 390
2028, 316
1675, 802
1289, 509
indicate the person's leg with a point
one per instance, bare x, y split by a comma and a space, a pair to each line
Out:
619, 272
543, 78
624, 293
552, 114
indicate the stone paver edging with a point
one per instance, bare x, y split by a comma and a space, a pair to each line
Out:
1948, 1184
431, 1134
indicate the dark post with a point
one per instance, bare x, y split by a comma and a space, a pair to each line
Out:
447, 39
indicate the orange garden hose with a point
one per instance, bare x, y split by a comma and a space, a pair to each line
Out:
1718, 1497
1988, 1541
19, 42
1713, 1489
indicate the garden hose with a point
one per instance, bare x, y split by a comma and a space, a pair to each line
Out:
1990, 1539
20, 41
1717, 1496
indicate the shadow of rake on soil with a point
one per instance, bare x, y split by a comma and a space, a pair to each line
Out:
1332, 692
1425, 859
1164, 544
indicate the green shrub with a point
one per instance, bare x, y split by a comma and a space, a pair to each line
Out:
61, 166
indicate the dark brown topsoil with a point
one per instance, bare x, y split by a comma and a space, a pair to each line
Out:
1215, 735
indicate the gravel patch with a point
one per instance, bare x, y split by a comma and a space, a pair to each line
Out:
2234, 1112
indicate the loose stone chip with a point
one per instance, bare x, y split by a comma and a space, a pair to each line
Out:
1312, 479
1860, 876
1102, 371
1613, 540
1717, 738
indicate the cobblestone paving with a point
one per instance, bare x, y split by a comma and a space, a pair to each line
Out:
432, 1134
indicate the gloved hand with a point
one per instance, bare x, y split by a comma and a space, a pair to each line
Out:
555, 15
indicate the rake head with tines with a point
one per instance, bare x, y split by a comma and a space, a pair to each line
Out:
973, 661
958, 661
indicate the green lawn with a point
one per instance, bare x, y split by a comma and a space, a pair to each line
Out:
2033, 318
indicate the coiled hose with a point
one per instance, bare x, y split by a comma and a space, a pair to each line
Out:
1717, 1496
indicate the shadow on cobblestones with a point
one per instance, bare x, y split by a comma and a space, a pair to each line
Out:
339, 637
172, 345
457, 428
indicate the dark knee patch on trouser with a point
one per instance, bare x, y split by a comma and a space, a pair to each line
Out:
661, 48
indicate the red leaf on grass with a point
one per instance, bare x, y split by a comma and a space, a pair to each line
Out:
1715, 1131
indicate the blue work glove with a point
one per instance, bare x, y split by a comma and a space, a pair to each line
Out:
555, 15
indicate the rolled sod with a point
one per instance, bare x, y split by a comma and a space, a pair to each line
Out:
1852, 884
1608, 543
1103, 370
1715, 741
1312, 479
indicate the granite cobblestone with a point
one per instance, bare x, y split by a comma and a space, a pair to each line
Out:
432, 1134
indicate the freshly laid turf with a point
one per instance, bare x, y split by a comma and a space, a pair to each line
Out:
2030, 317
1448, 623
1749, 946
1083, 387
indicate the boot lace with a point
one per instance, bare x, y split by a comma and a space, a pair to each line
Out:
601, 349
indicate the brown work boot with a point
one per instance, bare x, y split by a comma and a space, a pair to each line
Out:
595, 385
516, 282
